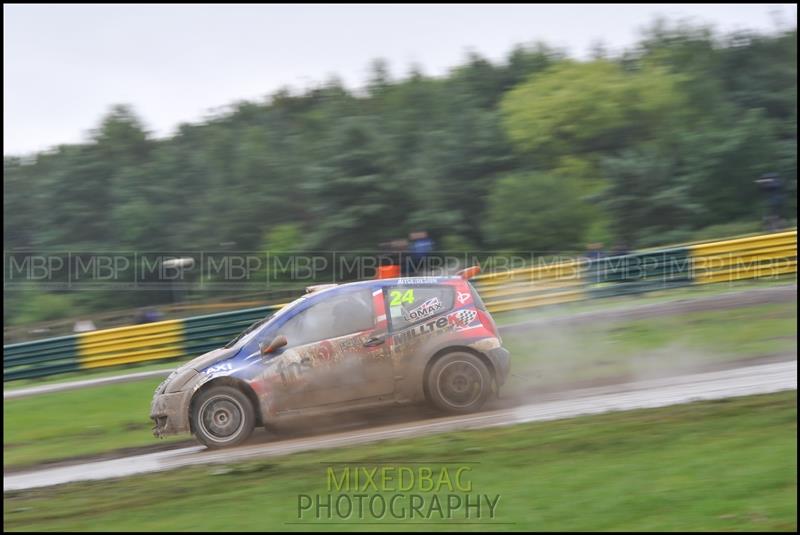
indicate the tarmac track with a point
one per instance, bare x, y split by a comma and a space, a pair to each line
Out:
741, 381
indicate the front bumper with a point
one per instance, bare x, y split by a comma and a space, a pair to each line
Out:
501, 358
170, 413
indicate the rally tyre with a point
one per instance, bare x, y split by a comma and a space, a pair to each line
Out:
458, 382
222, 416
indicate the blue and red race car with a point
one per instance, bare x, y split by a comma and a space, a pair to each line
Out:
341, 347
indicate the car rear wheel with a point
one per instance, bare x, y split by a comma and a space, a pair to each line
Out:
222, 416
459, 382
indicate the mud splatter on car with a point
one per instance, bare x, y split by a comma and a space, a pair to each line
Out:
340, 347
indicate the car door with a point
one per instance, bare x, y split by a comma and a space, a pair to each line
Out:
417, 316
336, 352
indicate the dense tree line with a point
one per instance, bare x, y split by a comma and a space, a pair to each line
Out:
535, 152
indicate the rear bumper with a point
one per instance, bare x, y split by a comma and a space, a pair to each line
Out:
501, 359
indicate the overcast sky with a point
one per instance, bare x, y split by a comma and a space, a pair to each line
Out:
64, 66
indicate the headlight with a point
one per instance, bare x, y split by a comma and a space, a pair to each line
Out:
177, 381
162, 386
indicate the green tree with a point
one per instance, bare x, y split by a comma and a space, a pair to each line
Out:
645, 195
660, 141
585, 107
356, 198
536, 212
284, 237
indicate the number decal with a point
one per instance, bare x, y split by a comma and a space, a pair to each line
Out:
398, 297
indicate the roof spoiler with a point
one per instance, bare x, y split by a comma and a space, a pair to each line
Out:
469, 272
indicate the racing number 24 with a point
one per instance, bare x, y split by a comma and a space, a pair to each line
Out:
398, 297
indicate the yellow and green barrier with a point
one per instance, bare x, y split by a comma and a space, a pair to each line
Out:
547, 284
751, 257
638, 272
748, 257
128, 345
162, 340
40, 358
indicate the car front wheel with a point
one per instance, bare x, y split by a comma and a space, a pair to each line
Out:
222, 416
459, 382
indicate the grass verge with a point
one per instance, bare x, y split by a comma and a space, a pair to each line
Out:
78, 423
707, 466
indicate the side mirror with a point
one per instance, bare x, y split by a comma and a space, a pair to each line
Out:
277, 343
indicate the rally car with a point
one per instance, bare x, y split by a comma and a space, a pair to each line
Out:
341, 347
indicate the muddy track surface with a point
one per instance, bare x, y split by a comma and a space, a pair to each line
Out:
760, 296
739, 381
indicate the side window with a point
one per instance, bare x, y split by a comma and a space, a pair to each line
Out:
411, 304
337, 316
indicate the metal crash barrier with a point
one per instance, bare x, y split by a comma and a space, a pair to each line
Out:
162, 340
552, 282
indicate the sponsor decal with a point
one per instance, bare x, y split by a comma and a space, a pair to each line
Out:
224, 367
318, 353
422, 330
325, 351
463, 297
292, 369
429, 308
403, 282
351, 343
220, 370
462, 318
455, 321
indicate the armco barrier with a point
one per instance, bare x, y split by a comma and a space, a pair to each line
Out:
40, 358
638, 272
745, 258
546, 284
126, 345
559, 281
659, 269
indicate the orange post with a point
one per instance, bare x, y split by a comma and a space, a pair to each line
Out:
388, 272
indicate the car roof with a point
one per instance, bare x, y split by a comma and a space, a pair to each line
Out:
375, 283
307, 300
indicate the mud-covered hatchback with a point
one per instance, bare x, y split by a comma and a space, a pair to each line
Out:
344, 347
